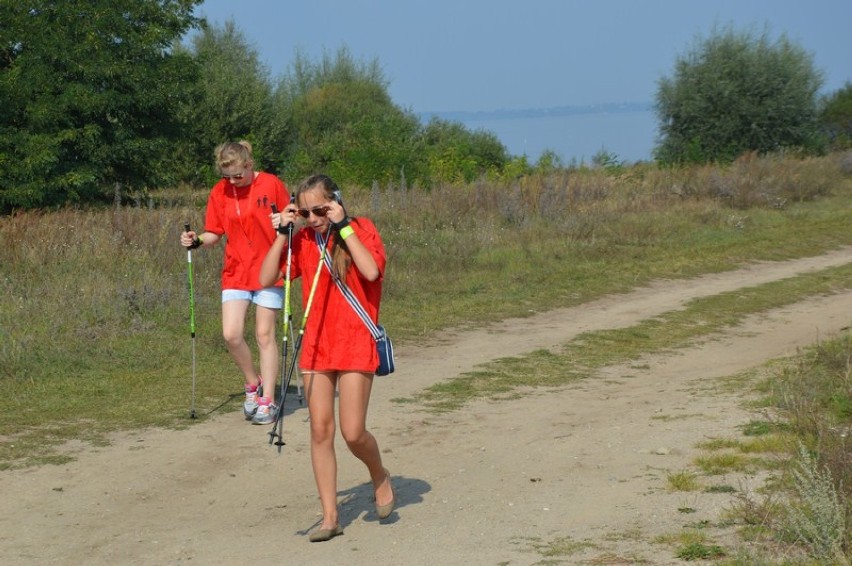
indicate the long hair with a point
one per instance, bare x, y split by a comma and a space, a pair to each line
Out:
341, 259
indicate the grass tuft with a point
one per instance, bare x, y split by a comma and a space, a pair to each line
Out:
683, 480
816, 517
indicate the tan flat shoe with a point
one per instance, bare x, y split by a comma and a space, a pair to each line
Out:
384, 511
323, 535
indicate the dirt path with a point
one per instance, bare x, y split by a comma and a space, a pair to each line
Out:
485, 485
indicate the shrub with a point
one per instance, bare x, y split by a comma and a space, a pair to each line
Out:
737, 92
818, 518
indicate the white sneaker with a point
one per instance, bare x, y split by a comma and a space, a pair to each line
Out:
265, 413
250, 405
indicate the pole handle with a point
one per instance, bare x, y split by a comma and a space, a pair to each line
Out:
283, 230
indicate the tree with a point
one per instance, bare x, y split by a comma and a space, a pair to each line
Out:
737, 92
836, 118
234, 100
455, 154
344, 122
88, 90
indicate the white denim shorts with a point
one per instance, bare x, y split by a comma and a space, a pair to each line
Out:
271, 297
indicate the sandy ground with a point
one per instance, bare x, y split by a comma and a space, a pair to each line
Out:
490, 484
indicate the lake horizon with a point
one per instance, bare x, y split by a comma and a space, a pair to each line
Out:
627, 131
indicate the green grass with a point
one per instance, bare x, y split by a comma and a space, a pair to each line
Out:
769, 443
692, 544
683, 480
700, 551
760, 428
719, 464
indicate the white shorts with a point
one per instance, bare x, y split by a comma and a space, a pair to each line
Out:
271, 297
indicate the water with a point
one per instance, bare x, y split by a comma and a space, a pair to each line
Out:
628, 135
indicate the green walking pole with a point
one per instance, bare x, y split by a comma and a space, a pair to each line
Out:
191, 321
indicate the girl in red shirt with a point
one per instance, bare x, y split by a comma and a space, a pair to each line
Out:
238, 207
338, 352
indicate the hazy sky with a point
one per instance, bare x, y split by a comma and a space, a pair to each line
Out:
445, 55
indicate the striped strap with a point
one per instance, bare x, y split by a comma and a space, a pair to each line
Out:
349, 296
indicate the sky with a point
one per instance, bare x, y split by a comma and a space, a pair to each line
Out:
486, 55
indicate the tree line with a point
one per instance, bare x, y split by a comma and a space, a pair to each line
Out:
100, 98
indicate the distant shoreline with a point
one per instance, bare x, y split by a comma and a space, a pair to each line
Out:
506, 114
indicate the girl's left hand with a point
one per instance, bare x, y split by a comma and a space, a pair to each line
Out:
336, 212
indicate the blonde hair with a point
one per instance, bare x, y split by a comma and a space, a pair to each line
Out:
230, 154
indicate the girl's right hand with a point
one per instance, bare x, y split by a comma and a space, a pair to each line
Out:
186, 238
280, 220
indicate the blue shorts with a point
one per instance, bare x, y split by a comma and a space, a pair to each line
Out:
271, 297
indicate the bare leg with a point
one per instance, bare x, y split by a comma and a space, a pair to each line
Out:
233, 330
319, 389
268, 348
354, 389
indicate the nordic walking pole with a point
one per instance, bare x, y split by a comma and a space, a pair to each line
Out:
298, 344
191, 321
289, 317
276, 431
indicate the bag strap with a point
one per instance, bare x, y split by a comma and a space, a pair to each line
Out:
350, 297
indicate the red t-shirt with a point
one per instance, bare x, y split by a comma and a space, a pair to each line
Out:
335, 338
242, 215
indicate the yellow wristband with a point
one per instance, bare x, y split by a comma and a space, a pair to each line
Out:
346, 232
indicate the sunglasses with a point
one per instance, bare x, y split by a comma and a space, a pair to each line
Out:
319, 211
236, 177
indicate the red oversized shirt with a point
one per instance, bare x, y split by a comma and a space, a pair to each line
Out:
335, 338
242, 215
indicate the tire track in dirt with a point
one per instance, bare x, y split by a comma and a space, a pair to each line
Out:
460, 352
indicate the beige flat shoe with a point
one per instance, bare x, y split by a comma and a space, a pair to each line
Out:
323, 535
384, 511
